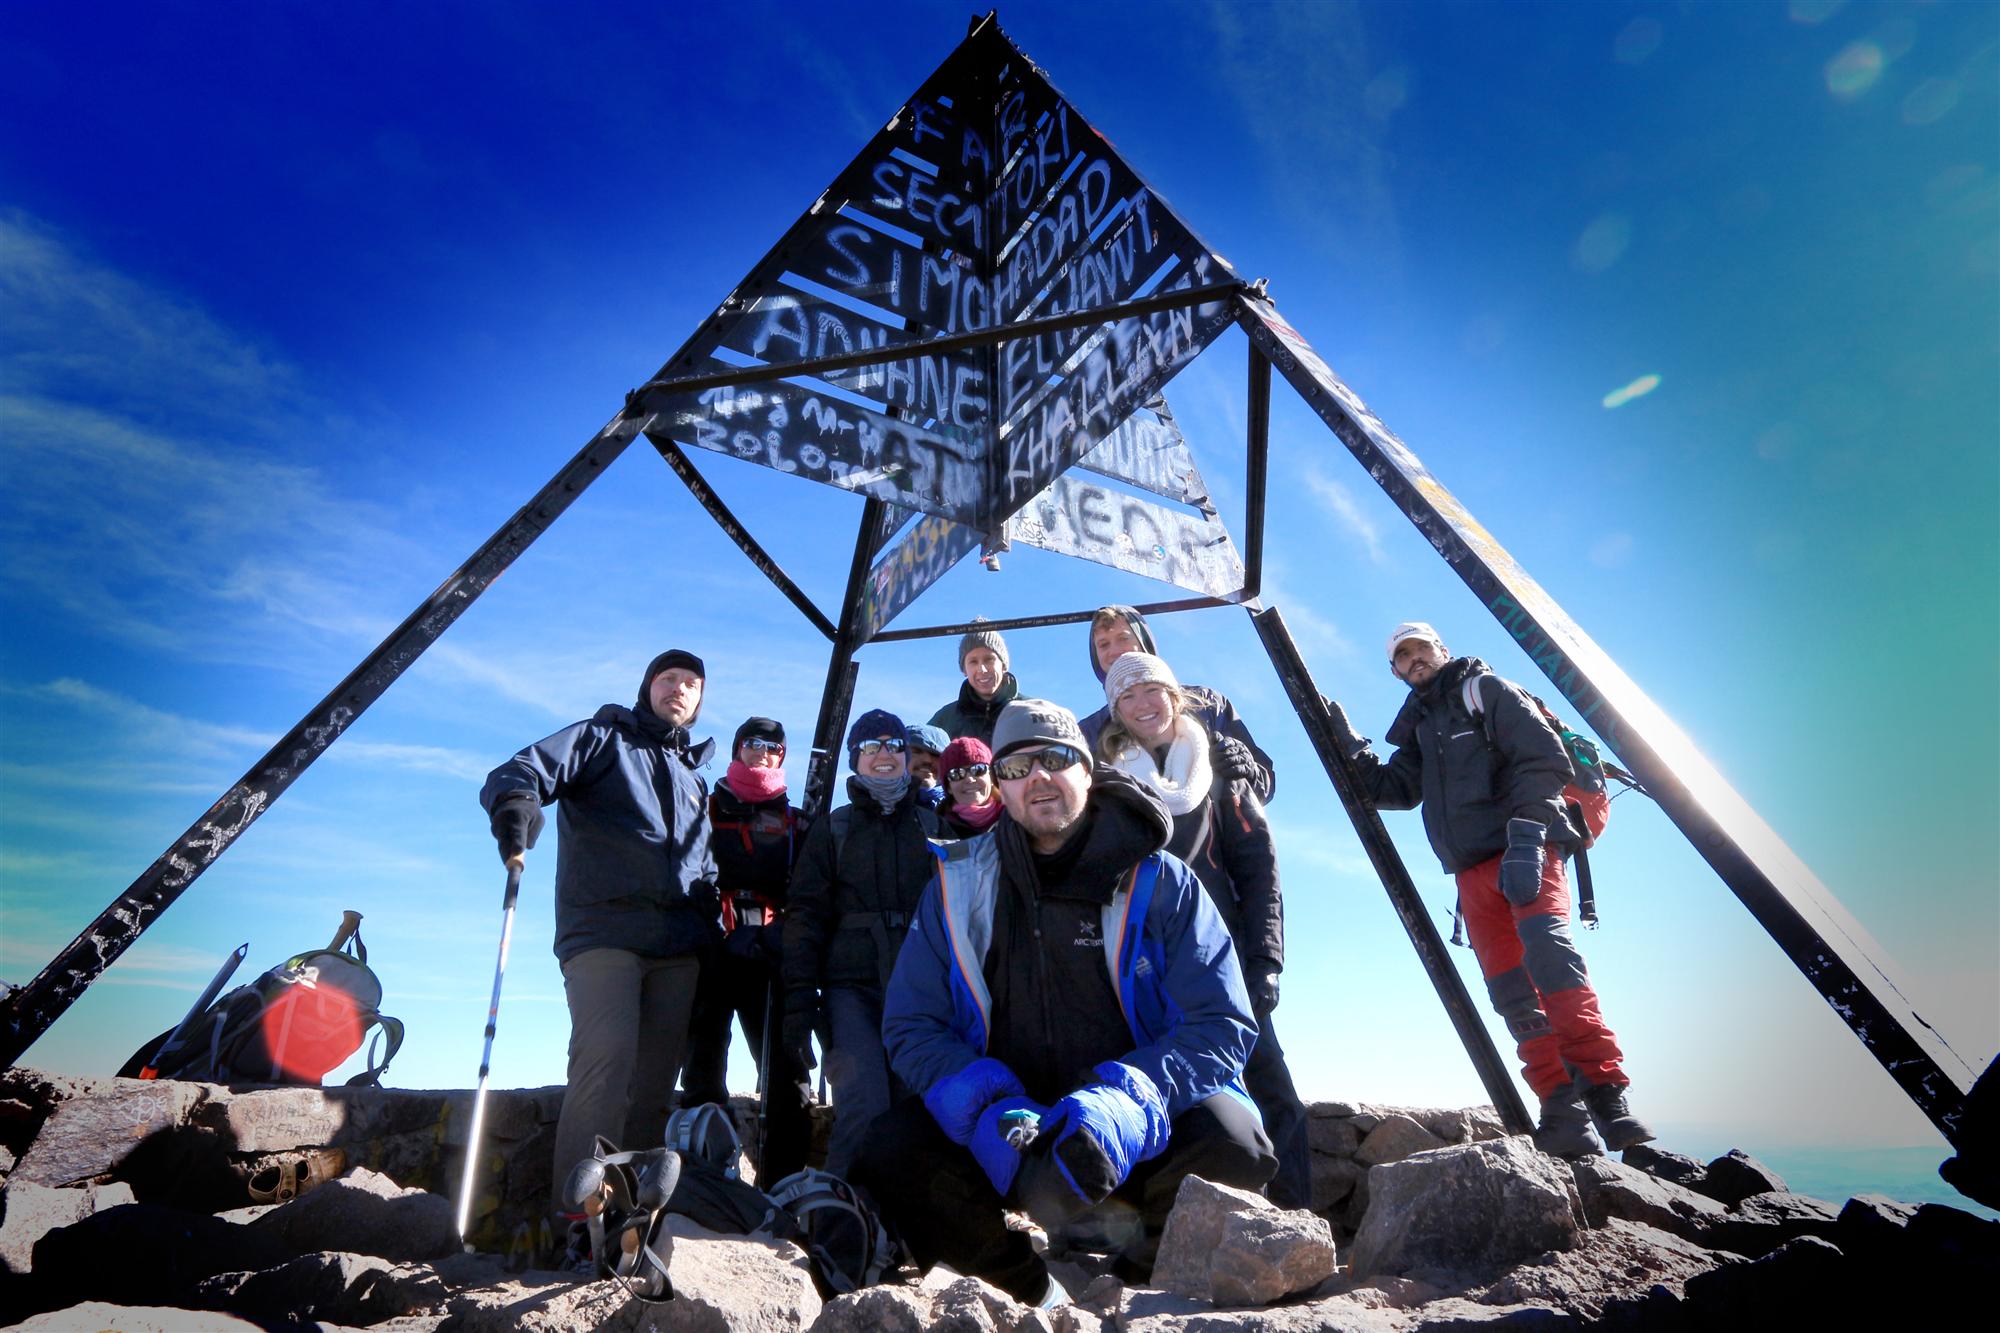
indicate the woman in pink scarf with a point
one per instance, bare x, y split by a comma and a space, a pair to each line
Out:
973, 802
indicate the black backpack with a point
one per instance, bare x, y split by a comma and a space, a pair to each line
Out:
294, 1024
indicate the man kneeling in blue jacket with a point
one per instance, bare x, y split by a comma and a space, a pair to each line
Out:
1069, 1011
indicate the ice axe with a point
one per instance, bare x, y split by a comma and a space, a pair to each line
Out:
515, 863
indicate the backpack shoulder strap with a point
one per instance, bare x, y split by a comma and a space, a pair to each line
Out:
391, 1039
1472, 693
838, 824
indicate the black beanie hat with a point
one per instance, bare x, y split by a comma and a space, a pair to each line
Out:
875, 724
769, 728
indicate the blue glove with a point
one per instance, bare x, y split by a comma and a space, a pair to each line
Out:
1103, 1131
1004, 1131
1521, 863
956, 1100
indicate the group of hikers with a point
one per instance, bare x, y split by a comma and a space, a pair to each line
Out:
1041, 954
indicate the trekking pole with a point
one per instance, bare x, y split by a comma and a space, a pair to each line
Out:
215, 985
350, 922
764, 1077
514, 867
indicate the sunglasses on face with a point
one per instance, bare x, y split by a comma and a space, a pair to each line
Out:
759, 743
968, 771
1053, 759
893, 744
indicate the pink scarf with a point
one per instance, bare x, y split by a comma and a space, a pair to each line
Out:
754, 784
978, 816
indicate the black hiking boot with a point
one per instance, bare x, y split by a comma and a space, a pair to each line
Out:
1615, 1121
1564, 1130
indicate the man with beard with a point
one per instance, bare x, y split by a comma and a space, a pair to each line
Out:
635, 896
1070, 1015
1489, 771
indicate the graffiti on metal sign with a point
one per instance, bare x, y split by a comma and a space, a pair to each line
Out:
1148, 451
793, 430
1122, 368
1093, 522
933, 546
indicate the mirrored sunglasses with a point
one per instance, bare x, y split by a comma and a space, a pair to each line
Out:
761, 743
965, 771
1053, 759
893, 744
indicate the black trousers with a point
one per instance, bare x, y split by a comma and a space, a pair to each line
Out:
945, 1209
734, 987
1269, 1082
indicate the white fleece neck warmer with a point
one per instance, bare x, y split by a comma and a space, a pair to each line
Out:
1187, 778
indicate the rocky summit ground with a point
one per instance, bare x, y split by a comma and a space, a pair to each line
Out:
128, 1207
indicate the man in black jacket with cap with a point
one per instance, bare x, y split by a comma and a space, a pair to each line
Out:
635, 896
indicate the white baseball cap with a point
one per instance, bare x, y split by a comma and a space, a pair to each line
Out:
1412, 629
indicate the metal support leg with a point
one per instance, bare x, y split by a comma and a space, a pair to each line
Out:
1388, 863
1823, 941
841, 670
27, 1013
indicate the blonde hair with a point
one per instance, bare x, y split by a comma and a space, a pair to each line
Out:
1116, 735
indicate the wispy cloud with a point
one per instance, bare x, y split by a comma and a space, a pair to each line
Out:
1340, 502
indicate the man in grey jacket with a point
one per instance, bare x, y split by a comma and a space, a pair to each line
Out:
635, 896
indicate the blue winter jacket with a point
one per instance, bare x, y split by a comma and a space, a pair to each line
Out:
1169, 955
633, 866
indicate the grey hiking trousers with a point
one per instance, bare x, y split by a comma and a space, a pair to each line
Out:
628, 1028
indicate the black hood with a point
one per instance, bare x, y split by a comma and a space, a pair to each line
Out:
647, 725
1139, 631
673, 657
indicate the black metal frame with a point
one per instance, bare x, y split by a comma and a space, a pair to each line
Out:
1799, 914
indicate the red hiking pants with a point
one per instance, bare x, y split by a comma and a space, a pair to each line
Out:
1536, 979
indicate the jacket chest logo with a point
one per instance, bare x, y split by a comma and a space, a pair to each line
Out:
1089, 934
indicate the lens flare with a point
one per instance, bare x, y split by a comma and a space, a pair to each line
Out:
1638, 388
1813, 12
1602, 243
1854, 71
1930, 101
1637, 40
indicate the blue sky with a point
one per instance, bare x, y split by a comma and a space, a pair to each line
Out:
298, 304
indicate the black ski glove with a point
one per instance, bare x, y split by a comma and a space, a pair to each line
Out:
1232, 760
517, 822
1521, 863
1260, 978
802, 1014
1350, 741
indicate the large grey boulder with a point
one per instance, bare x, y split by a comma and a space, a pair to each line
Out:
1397, 1137
1672, 1167
1233, 1247
364, 1212
1472, 1207
93, 1130
743, 1283
33, 1211
1763, 1222
1735, 1176
1333, 1180
144, 1254
1619, 1262
113, 1318
876, 1310
1336, 1314
1610, 1189
356, 1289
551, 1303
1326, 1134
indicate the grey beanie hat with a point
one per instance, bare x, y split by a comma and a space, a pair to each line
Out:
1135, 669
983, 638
1037, 722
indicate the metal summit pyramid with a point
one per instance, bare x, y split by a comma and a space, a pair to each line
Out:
985, 301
